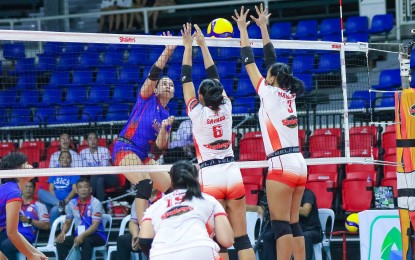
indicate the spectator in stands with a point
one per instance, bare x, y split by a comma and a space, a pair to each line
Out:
33, 216
87, 213
136, 16
61, 189
122, 5
95, 156
310, 224
128, 243
181, 148
107, 5
10, 207
147, 131
155, 14
65, 143
287, 173
180, 222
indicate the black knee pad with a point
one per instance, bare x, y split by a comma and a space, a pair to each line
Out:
144, 189
222, 249
280, 228
242, 243
296, 229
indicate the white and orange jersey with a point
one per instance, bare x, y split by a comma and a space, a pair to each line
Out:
212, 130
277, 117
181, 225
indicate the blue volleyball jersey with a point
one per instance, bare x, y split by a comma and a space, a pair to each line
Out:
36, 211
144, 123
9, 192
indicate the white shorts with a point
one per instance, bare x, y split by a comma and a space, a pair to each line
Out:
222, 181
200, 253
290, 169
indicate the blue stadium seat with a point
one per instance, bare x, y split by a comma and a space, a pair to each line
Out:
29, 98
106, 76
76, 95
23, 66
330, 26
226, 69
53, 49
144, 74
82, 77
20, 117
92, 113
173, 71
89, 60
176, 57
8, 98
117, 47
129, 74
113, 58
45, 63
59, 78
308, 81
74, 47
332, 38
280, 31
328, 63
68, 114
117, 112
412, 62
198, 71
197, 55
96, 47
67, 61
254, 32
13, 51
245, 88
389, 80
362, 99
4, 118
228, 86
123, 93
154, 53
381, 23
45, 115
356, 24
386, 100
174, 107
303, 64
306, 30
242, 105
358, 37
227, 54
51, 96
26, 82
99, 94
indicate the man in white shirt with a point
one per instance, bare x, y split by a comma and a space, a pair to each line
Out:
96, 156
65, 142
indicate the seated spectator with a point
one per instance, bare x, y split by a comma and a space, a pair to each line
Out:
128, 243
107, 5
182, 147
122, 5
155, 14
95, 156
61, 189
136, 16
65, 142
87, 212
33, 216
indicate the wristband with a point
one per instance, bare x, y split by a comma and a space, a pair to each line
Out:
29, 221
154, 73
269, 54
212, 72
247, 55
186, 74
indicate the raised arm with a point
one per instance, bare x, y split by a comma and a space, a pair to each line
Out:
186, 74
246, 52
153, 76
262, 22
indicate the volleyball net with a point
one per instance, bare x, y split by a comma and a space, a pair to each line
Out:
54, 83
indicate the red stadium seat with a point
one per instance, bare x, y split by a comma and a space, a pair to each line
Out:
388, 140
364, 152
323, 196
253, 179
252, 149
301, 139
390, 128
101, 142
325, 154
389, 170
33, 154
328, 131
364, 130
360, 168
42, 183
355, 196
112, 145
323, 143
51, 150
6, 148
253, 134
328, 172
43, 165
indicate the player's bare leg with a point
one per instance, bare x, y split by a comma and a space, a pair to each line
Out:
224, 256
298, 242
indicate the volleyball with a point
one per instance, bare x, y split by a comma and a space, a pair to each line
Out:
352, 223
220, 28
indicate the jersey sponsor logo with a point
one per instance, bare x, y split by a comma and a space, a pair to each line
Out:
285, 95
336, 46
215, 120
412, 110
45, 216
176, 211
218, 145
156, 126
291, 121
127, 39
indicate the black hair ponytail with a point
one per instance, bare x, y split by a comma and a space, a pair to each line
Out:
12, 161
212, 91
183, 175
285, 80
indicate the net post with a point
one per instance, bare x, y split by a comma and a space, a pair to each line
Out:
145, 18
345, 107
405, 53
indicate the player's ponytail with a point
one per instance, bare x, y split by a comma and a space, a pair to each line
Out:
285, 80
212, 91
184, 175
12, 161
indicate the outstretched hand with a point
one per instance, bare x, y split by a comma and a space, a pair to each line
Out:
263, 16
240, 18
200, 38
187, 35
169, 47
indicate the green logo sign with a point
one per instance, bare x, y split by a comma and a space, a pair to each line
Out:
392, 238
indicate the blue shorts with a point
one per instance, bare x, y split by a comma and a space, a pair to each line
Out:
121, 149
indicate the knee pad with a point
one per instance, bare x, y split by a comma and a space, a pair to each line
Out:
296, 230
144, 189
222, 249
280, 228
242, 243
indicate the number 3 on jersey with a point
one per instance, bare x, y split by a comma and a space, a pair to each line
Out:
290, 108
217, 131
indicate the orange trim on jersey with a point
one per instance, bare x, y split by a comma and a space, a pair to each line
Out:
220, 214
189, 103
15, 199
258, 84
274, 137
145, 219
120, 155
289, 178
147, 160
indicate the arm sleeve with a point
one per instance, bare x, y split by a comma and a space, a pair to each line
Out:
42, 212
76, 160
14, 195
69, 210
97, 210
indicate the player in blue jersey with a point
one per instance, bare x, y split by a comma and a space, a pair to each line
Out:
147, 131
10, 205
